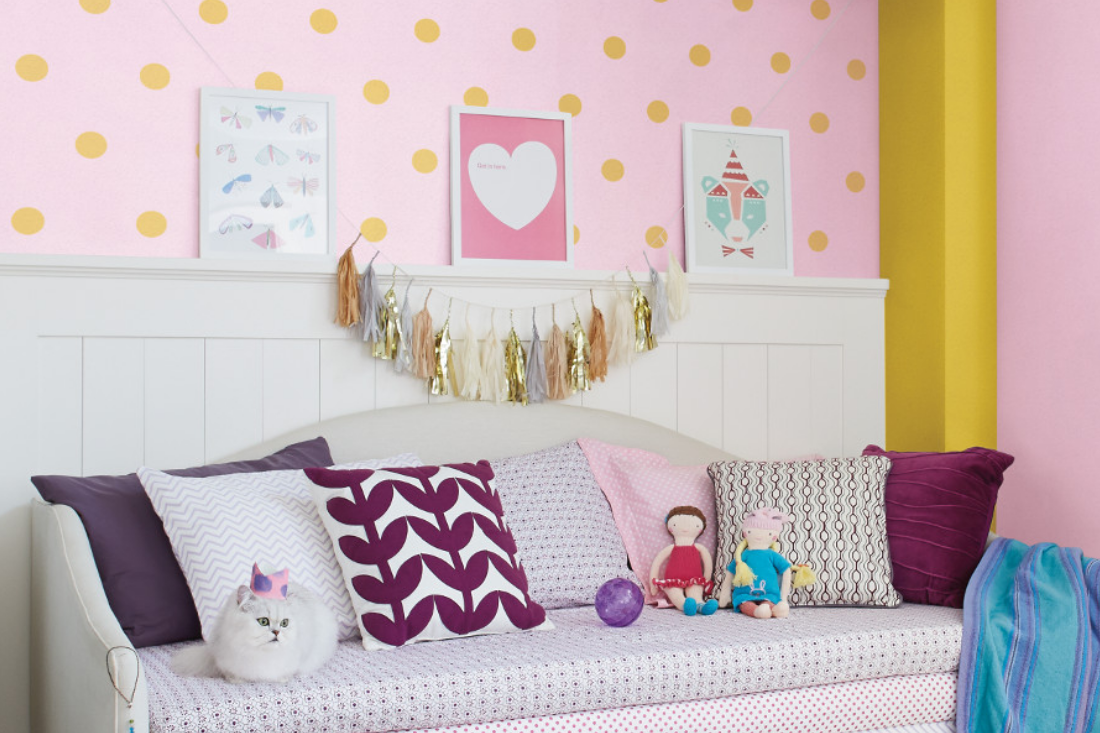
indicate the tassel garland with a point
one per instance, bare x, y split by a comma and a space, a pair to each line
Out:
677, 289
469, 364
622, 330
515, 366
658, 303
579, 356
536, 366
404, 362
442, 382
347, 289
557, 368
494, 384
389, 327
423, 349
597, 342
370, 302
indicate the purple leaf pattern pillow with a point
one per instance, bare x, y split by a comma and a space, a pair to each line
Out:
425, 553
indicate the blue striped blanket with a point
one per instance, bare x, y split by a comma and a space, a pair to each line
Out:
1031, 642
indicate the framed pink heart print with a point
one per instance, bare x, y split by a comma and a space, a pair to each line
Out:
511, 187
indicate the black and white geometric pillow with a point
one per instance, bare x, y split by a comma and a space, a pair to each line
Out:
838, 527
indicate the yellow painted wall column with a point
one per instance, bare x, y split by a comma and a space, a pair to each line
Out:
938, 126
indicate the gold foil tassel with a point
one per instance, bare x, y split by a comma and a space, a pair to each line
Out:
557, 368
389, 326
515, 367
644, 339
423, 350
579, 356
442, 382
597, 341
347, 289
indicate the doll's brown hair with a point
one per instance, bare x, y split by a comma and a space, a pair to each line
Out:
688, 510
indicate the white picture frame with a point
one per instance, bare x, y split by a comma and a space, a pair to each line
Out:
737, 200
267, 175
504, 210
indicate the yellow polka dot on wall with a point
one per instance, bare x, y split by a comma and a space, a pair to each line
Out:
523, 39
819, 122
426, 30
576, 234
612, 169
31, 67
155, 76
91, 144
657, 111
213, 11
425, 161
323, 20
376, 91
743, 5
151, 223
818, 241
614, 47
781, 63
269, 80
820, 9
855, 182
857, 69
741, 116
373, 229
476, 97
699, 55
95, 7
570, 103
27, 220
656, 237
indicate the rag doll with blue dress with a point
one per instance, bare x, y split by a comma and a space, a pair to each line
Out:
759, 580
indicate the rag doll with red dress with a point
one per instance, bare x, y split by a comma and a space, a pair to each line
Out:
686, 578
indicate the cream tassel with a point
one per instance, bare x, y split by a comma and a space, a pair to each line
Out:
494, 385
597, 341
423, 346
556, 365
536, 366
469, 363
677, 289
658, 304
347, 289
622, 330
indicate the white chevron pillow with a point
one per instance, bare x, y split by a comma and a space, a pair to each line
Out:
220, 525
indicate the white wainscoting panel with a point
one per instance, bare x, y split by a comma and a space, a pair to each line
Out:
175, 402
61, 415
114, 405
347, 383
805, 386
653, 386
700, 385
745, 400
234, 395
291, 384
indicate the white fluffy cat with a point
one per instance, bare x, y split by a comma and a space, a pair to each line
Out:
264, 640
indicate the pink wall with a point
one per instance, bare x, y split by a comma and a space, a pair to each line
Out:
1048, 258
91, 205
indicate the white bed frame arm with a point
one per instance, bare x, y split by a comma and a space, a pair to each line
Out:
72, 630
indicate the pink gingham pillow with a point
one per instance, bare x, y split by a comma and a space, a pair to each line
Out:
641, 487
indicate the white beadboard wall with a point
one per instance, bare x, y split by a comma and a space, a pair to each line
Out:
107, 364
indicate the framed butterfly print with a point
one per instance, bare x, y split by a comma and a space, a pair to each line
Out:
267, 174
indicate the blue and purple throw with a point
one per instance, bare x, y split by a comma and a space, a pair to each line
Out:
1031, 642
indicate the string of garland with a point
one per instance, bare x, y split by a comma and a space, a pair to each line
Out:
504, 371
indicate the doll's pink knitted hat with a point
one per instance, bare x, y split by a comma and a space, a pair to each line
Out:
765, 518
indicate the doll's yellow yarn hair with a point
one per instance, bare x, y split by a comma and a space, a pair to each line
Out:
803, 575
742, 573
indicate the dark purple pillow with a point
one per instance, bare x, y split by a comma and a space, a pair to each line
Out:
939, 507
143, 581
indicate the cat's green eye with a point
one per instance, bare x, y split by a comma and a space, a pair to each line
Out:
263, 621
285, 623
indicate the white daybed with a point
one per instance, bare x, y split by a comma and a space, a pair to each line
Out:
822, 670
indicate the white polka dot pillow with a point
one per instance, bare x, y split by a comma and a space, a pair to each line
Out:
425, 553
562, 523
642, 487
838, 527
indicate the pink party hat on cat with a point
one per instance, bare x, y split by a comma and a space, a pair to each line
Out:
272, 586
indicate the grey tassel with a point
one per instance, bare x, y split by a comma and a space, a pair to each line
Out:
403, 362
536, 366
658, 303
371, 302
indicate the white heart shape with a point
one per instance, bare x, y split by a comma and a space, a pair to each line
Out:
514, 188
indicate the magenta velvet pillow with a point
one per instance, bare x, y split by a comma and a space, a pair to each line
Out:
939, 507
425, 553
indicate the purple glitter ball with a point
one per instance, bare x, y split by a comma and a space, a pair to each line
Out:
619, 602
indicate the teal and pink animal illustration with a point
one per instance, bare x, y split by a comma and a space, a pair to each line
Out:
736, 207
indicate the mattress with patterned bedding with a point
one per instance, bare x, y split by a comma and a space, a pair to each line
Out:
580, 665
